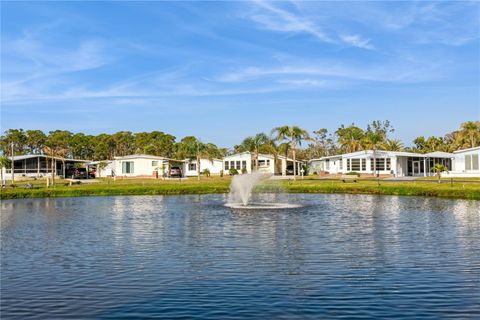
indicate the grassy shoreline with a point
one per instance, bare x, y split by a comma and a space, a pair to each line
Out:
108, 187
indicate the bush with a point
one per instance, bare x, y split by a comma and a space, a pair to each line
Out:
221, 173
353, 173
233, 171
206, 172
244, 170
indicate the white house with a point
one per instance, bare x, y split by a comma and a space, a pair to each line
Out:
39, 165
143, 165
213, 165
396, 163
465, 163
267, 163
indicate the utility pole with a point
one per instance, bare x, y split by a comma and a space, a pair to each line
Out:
12, 164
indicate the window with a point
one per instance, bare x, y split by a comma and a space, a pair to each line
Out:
244, 164
388, 166
127, 167
349, 165
192, 167
471, 162
475, 162
380, 164
238, 165
226, 166
340, 164
154, 163
468, 162
364, 164
327, 164
263, 163
355, 164
232, 164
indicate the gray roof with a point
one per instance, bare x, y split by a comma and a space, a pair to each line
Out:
436, 154
136, 156
31, 156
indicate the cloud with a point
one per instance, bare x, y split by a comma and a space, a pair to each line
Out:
395, 72
277, 19
357, 41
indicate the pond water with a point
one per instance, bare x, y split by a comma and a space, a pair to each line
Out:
339, 256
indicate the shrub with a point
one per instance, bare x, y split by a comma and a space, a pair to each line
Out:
233, 171
221, 173
244, 170
206, 172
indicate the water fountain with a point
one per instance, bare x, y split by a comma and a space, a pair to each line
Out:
241, 191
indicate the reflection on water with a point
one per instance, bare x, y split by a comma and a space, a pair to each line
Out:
190, 257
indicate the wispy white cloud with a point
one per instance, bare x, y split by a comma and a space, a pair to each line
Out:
274, 18
357, 41
281, 20
401, 73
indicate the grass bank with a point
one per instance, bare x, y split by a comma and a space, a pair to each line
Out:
107, 187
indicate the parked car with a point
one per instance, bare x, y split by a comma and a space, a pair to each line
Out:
175, 172
80, 173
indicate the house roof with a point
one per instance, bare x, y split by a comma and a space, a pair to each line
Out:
271, 156
439, 154
466, 150
31, 156
140, 156
436, 154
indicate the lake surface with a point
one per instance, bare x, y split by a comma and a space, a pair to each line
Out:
340, 256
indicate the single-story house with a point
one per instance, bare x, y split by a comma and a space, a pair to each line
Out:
466, 163
190, 167
143, 165
39, 165
267, 163
396, 163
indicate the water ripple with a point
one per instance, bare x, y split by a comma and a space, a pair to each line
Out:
338, 256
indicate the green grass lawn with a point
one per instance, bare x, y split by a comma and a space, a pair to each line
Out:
463, 190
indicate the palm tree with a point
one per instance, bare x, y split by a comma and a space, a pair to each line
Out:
392, 145
253, 144
438, 169
350, 138
472, 130
372, 141
294, 135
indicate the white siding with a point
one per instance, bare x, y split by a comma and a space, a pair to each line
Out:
142, 166
215, 166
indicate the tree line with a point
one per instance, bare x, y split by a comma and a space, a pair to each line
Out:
284, 140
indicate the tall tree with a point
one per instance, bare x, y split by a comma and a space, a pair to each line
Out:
253, 144
293, 135
323, 144
375, 136
13, 140
350, 138
392, 145
124, 143
193, 149
35, 141
471, 130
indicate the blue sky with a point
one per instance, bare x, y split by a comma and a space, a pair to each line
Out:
225, 70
